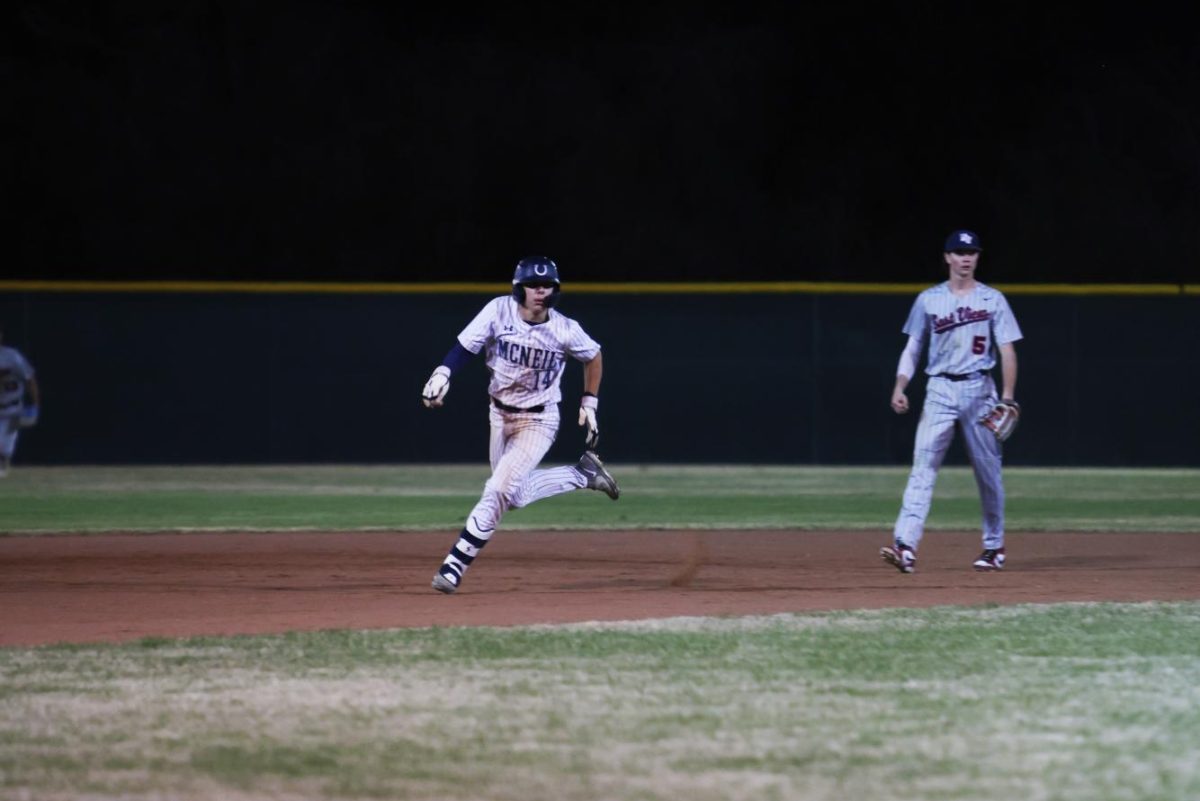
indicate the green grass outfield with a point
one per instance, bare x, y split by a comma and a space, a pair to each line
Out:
1071, 701
435, 497
1054, 702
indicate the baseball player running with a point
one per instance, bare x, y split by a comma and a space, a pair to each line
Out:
964, 323
526, 344
17, 386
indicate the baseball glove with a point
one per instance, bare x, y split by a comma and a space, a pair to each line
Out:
1002, 419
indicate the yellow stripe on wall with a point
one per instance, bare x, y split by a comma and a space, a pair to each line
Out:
585, 288
248, 287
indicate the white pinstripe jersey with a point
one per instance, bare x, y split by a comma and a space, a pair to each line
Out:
15, 372
962, 332
526, 360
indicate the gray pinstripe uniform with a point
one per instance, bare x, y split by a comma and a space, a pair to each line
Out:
962, 334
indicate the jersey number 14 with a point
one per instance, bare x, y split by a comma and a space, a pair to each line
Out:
542, 379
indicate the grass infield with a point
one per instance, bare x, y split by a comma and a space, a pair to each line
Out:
437, 496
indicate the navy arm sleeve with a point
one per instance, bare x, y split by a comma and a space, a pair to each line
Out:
457, 357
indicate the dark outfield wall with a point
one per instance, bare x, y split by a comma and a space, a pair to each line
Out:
782, 378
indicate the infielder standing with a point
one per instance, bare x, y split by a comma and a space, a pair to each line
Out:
526, 344
19, 400
964, 323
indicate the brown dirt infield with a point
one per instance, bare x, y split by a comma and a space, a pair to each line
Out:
118, 587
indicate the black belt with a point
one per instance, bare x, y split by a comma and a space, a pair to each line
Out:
504, 407
958, 376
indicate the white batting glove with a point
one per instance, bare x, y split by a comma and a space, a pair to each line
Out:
587, 417
436, 387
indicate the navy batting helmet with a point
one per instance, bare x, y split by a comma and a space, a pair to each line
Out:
535, 270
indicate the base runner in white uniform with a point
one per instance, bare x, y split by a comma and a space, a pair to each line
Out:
526, 344
965, 324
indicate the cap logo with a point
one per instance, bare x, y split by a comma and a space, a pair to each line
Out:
965, 238
541, 269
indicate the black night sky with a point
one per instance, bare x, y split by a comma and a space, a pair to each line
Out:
212, 139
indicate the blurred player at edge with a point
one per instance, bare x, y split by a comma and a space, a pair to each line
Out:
525, 344
19, 401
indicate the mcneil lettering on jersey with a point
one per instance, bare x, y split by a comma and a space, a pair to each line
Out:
526, 356
545, 364
963, 315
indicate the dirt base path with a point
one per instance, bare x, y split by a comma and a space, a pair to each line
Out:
122, 587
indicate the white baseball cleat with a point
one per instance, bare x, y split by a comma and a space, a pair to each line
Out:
991, 559
443, 584
900, 557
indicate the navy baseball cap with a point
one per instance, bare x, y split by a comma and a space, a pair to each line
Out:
962, 240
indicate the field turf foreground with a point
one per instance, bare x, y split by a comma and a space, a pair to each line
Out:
1066, 701
745, 641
